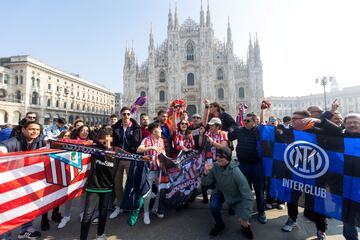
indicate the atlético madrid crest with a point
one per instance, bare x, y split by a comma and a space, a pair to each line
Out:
62, 168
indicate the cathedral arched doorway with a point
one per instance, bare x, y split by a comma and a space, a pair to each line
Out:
191, 109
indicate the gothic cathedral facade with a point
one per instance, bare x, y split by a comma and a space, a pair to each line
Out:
194, 65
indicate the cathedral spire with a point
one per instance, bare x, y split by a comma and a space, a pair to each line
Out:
257, 50
170, 20
176, 25
229, 38
250, 56
202, 18
151, 38
208, 18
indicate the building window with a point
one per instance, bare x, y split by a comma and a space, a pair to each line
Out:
34, 98
49, 86
162, 76
78, 107
72, 106
221, 94
6, 79
220, 74
18, 95
65, 105
48, 102
57, 103
190, 79
143, 94
38, 82
190, 51
241, 92
21, 79
32, 81
162, 96
16, 80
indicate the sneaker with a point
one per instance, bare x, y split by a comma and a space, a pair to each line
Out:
95, 221
159, 215
101, 237
280, 206
56, 217
231, 211
247, 232
262, 218
146, 218
45, 225
269, 206
217, 229
289, 225
116, 212
63, 222
32, 235
320, 235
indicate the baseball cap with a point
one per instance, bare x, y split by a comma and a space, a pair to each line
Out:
196, 115
215, 120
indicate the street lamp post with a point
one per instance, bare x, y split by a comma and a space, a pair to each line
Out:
324, 81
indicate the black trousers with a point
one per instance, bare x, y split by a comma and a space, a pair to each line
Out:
320, 219
91, 202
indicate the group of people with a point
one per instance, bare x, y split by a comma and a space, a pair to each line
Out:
230, 179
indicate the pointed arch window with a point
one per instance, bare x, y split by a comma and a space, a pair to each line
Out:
221, 94
48, 102
35, 98
220, 74
162, 96
18, 95
142, 93
190, 51
190, 79
241, 92
162, 76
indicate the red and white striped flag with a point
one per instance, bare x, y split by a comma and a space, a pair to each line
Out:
34, 182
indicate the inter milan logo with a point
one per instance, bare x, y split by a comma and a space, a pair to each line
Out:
306, 160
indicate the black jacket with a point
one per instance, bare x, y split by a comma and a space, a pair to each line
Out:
247, 150
129, 140
19, 143
102, 174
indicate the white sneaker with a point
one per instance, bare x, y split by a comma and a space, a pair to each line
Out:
146, 218
81, 216
116, 212
63, 222
159, 215
102, 237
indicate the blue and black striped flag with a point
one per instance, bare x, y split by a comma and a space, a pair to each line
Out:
318, 172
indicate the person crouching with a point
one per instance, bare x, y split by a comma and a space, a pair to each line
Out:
99, 186
228, 179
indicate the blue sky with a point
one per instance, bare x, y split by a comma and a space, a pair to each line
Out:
299, 40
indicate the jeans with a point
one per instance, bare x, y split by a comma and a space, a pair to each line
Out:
320, 219
254, 174
350, 232
91, 202
216, 202
153, 176
123, 167
23, 228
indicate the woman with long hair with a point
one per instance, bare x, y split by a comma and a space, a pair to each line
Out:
182, 138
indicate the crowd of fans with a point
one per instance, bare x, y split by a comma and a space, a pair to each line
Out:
231, 179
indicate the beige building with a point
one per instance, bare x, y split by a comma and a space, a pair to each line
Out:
349, 99
27, 84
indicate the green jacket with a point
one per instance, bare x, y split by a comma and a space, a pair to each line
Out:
233, 184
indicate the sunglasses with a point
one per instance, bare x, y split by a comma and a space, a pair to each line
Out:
126, 114
221, 155
183, 123
247, 120
196, 117
31, 117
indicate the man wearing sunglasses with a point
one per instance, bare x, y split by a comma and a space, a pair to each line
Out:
230, 187
30, 116
250, 161
127, 136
